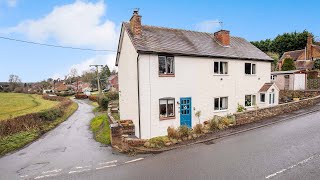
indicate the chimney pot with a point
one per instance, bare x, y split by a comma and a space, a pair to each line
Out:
223, 37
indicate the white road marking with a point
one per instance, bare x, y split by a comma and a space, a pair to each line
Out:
80, 167
71, 172
24, 176
291, 167
52, 171
109, 162
139, 159
106, 167
48, 175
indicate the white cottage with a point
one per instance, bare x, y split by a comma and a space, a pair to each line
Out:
166, 75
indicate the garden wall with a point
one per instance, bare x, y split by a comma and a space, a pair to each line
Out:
259, 114
285, 95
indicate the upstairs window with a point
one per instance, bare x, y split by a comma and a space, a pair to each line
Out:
250, 68
220, 67
166, 65
166, 108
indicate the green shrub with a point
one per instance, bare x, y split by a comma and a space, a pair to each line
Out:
159, 141
240, 108
183, 131
112, 95
198, 129
104, 102
52, 114
213, 124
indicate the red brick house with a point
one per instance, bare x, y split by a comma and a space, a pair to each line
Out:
113, 83
303, 58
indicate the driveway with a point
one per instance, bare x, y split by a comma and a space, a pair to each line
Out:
69, 148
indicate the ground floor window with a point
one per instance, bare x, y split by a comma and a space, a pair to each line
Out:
166, 107
250, 100
271, 98
220, 103
262, 97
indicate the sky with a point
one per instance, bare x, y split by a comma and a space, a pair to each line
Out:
96, 25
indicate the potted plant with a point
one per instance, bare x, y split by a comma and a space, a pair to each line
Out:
296, 96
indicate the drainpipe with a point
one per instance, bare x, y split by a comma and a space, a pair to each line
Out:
138, 96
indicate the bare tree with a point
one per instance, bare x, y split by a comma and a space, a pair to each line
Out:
14, 81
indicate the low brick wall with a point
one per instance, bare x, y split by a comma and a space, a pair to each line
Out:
259, 114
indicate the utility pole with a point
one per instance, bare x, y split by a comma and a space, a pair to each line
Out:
98, 78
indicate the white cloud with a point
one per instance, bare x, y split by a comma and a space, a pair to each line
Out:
210, 26
78, 24
12, 3
85, 65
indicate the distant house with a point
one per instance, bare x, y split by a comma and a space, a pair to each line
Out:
113, 83
60, 86
303, 58
290, 80
166, 75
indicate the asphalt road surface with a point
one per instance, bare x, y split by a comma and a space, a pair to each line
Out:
69, 148
287, 150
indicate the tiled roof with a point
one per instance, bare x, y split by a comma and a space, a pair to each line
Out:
192, 43
293, 54
265, 87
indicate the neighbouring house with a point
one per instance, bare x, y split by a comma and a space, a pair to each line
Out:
60, 86
113, 83
290, 80
166, 75
303, 58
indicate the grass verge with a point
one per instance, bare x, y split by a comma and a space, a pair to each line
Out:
19, 140
100, 128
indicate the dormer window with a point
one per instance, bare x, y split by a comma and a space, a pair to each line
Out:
166, 66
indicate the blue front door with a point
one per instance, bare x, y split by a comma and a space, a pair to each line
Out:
185, 111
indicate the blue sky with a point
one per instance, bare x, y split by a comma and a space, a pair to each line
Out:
95, 24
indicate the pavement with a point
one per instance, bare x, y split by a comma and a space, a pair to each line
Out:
286, 150
67, 149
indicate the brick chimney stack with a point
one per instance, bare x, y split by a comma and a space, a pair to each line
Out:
135, 23
309, 48
223, 37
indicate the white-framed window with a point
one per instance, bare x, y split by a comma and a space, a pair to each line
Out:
273, 77
262, 97
166, 65
220, 103
166, 107
250, 68
271, 97
250, 100
220, 67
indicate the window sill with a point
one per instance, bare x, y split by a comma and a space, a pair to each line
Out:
220, 74
166, 75
250, 74
166, 118
217, 111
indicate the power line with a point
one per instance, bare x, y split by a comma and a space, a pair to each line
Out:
55, 46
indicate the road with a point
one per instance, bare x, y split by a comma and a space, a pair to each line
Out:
286, 150
70, 147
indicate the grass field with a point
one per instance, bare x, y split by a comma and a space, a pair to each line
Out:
16, 104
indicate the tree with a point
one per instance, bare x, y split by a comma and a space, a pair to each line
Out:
284, 42
90, 77
288, 64
275, 56
14, 81
104, 75
317, 64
